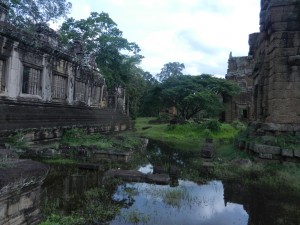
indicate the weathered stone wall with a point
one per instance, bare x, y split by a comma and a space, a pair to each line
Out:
20, 189
276, 71
46, 87
240, 106
47, 121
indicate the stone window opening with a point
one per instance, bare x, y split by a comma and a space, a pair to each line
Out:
31, 82
2, 75
59, 87
80, 91
96, 91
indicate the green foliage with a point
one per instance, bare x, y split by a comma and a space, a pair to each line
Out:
207, 133
79, 137
239, 125
164, 118
284, 141
171, 69
55, 219
98, 206
183, 136
114, 55
18, 141
212, 125
192, 94
26, 13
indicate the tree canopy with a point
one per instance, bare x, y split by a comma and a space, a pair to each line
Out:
115, 56
171, 69
192, 94
26, 13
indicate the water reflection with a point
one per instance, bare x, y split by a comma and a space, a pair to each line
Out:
189, 203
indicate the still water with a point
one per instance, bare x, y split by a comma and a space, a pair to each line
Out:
188, 203
215, 202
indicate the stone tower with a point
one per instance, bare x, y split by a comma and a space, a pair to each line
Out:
276, 69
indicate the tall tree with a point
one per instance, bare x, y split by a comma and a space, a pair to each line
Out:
26, 13
192, 94
114, 54
171, 69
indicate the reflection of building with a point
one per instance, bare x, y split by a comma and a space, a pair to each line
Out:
47, 86
240, 106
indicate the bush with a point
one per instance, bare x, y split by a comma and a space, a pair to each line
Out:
165, 118
212, 125
238, 125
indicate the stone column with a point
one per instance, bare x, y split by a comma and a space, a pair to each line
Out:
14, 80
71, 84
46, 79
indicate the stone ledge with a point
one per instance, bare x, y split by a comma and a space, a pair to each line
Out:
266, 149
287, 153
20, 174
280, 127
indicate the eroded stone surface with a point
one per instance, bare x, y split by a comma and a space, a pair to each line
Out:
266, 149
20, 187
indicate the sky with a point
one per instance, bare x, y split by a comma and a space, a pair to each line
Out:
198, 33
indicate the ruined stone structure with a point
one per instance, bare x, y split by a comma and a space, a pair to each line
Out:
274, 67
276, 73
20, 190
45, 86
239, 71
273, 64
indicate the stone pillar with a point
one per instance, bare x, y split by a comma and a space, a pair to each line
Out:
14, 81
101, 95
46, 79
71, 84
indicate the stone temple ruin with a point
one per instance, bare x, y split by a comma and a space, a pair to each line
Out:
46, 87
240, 71
270, 73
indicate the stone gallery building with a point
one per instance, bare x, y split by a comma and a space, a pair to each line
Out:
46, 87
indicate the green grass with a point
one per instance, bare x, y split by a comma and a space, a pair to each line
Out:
78, 137
186, 136
118, 142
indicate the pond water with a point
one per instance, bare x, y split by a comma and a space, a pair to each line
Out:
189, 203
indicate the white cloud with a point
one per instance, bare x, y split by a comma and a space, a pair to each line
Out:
198, 33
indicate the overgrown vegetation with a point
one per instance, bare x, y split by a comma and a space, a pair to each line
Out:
18, 141
189, 137
119, 142
97, 207
284, 141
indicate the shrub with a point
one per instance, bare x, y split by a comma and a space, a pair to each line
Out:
212, 125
